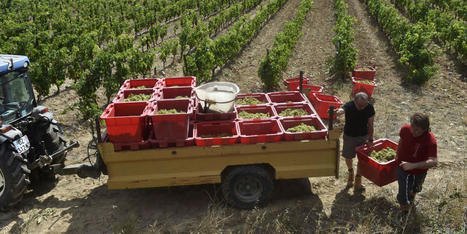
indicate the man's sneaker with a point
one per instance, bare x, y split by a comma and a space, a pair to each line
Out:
358, 184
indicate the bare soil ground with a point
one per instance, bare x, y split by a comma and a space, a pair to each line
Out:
77, 205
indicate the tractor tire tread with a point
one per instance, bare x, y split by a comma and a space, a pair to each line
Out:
15, 175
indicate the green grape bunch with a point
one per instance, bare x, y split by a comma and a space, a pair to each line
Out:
169, 112
216, 135
247, 115
385, 155
137, 98
363, 69
364, 82
248, 101
140, 87
293, 112
302, 127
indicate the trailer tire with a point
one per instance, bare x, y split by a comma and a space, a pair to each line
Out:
13, 177
247, 187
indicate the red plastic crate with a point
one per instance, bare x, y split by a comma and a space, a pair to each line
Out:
286, 123
123, 94
170, 126
125, 121
260, 96
148, 83
367, 75
173, 92
293, 83
286, 97
252, 132
213, 128
179, 81
360, 87
201, 116
305, 106
322, 102
309, 89
256, 109
189, 141
380, 173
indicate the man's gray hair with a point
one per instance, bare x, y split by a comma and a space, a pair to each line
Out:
361, 96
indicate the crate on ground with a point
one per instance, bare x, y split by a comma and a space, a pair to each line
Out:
189, 141
216, 133
213, 116
125, 93
308, 89
151, 83
322, 102
264, 109
262, 97
177, 93
380, 173
358, 86
293, 83
287, 123
170, 127
179, 81
252, 132
364, 72
286, 97
125, 122
279, 108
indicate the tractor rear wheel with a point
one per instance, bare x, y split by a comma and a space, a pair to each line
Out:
13, 177
53, 141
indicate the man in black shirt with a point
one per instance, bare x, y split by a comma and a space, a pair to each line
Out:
358, 130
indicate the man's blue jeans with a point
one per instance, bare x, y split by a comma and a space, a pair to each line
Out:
408, 184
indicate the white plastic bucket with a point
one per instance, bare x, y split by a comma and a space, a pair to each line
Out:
217, 96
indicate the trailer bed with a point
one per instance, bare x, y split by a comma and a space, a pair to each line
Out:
174, 166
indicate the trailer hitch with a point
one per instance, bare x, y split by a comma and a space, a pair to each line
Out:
83, 170
91, 169
46, 159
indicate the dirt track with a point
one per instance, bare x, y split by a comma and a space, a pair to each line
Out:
319, 204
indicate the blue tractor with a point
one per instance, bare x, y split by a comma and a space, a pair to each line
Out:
32, 146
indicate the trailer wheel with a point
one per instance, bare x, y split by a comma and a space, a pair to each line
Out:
246, 187
13, 177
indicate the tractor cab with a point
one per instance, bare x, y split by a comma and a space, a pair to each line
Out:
16, 94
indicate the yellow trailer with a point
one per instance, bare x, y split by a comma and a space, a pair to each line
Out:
246, 171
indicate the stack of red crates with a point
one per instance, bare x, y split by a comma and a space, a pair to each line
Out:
126, 122
323, 102
293, 83
172, 129
363, 73
137, 125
